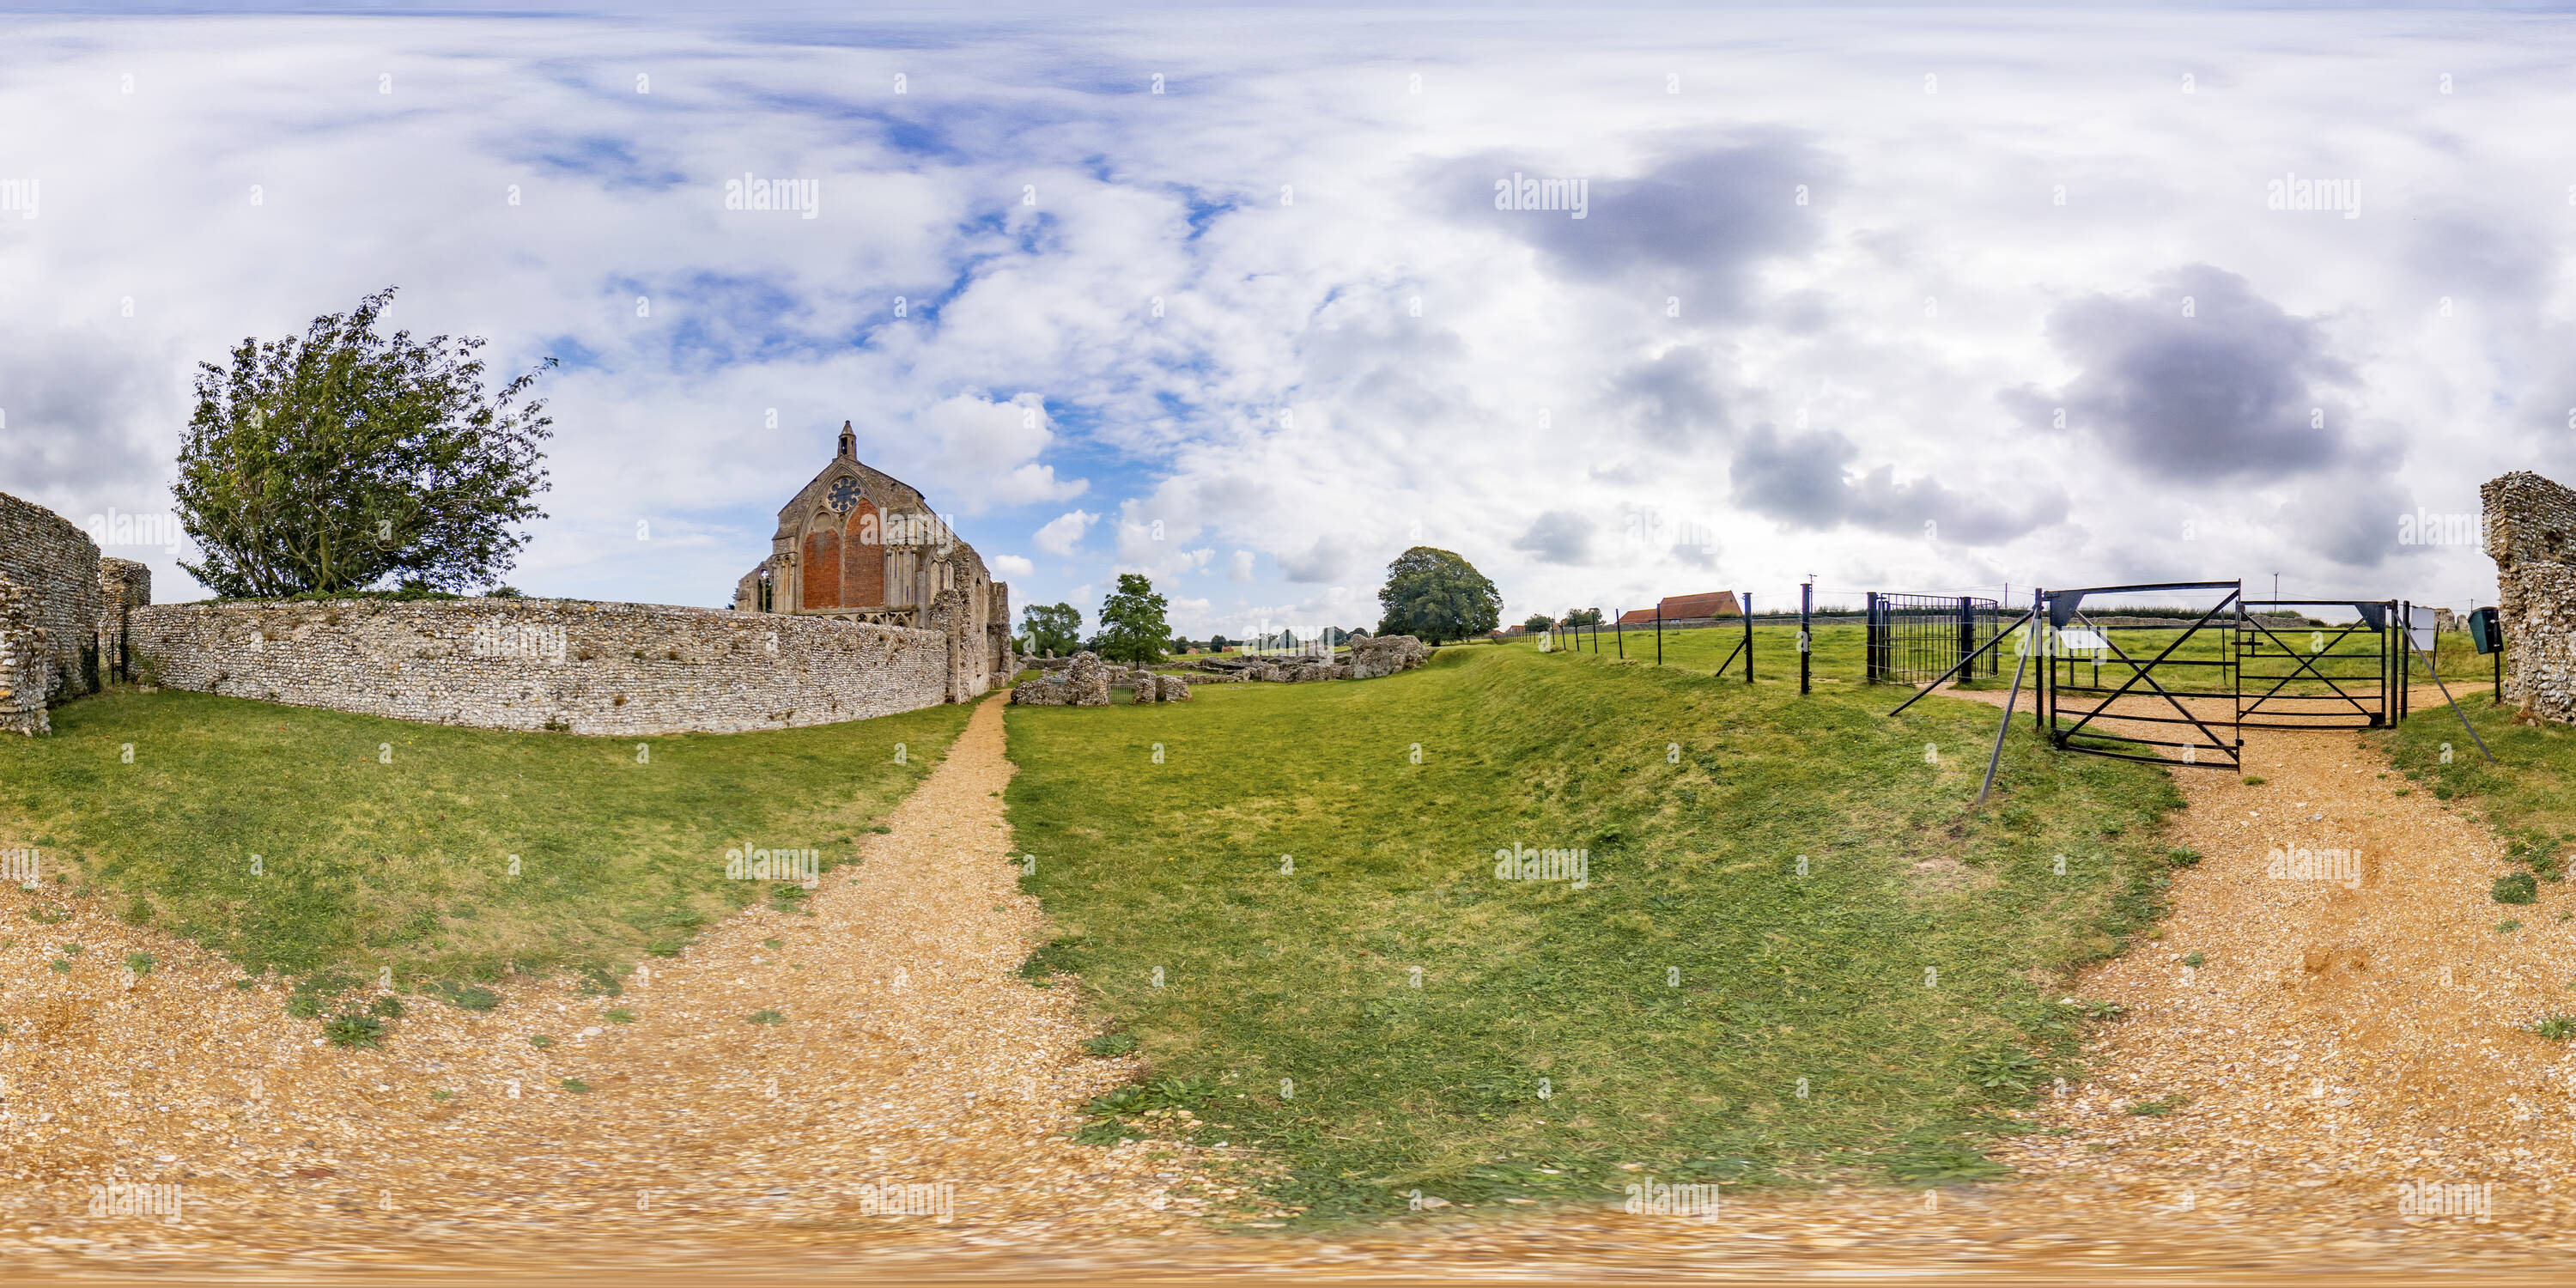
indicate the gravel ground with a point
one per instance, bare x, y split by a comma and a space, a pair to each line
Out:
909, 1054
2336, 1040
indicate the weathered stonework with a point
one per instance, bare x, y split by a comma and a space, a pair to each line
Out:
1160, 688
859, 544
1374, 656
532, 664
50, 605
2531, 535
1084, 683
123, 586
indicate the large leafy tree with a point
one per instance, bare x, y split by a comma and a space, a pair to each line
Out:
1054, 629
1131, 623
1436, 596
1583, 617
344, 459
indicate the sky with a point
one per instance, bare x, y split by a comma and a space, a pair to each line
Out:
1251, 300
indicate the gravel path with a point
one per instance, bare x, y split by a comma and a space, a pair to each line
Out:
908, 1054
2338, 1038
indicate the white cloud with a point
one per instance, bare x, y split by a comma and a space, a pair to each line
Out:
1063, 532
1012, 567
1418, 334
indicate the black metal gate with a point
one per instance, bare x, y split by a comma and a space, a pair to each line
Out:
2309, 676
1914, 638
2105, 697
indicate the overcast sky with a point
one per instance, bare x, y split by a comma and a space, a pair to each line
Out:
1914, 300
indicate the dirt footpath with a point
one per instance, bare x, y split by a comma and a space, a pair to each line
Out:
906, 1053
2355, 1023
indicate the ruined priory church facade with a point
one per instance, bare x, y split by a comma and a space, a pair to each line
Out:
860, 545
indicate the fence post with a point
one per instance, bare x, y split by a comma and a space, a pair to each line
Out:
1659, 640
1748, 637
1619, 632
1967, 633
1806, 637
1869, 638
2043, 714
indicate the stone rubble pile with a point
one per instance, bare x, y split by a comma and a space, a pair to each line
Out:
1083, 680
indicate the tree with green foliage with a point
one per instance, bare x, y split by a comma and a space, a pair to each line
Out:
1131, 623
1436, 596
1583, 617
1054, 629
1218, 644
344, 458
1538, 622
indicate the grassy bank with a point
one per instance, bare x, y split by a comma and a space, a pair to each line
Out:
386, 844
1252, 908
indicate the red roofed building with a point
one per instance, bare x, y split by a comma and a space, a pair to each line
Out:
1676, 608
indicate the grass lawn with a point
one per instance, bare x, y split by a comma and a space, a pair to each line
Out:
387, 844
1253, 906
1840, 655
2529, 794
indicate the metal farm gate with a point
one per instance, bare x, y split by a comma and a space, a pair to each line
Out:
2181, 690
1915, 638
2298, 676
2101, 697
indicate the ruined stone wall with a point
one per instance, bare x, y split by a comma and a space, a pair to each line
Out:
529, 664
123, 586
2531, 535
49, 614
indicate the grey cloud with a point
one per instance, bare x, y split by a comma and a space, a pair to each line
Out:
1804, 481
2349, 517
1692, 226
1703, 558
75, 404
2220, 395
1672, 398
1558, 537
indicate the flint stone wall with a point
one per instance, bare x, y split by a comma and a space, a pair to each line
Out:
1083, 682
50, 608
606, 669
2531, 535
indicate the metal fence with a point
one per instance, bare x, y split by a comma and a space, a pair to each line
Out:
1914, 638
